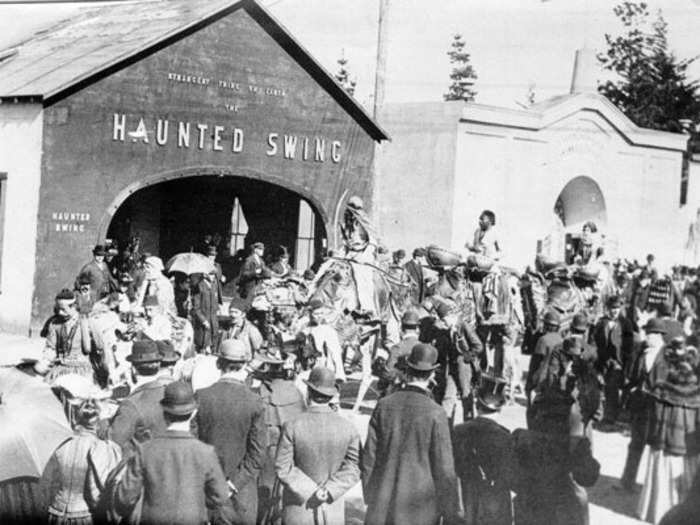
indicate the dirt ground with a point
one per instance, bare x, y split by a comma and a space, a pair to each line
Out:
607, 504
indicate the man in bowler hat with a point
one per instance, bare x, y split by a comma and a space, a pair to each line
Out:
317, 457
140, 416
178, 478
408, 473
253, 272
231, 417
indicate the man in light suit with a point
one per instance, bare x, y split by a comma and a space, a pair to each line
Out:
317, 458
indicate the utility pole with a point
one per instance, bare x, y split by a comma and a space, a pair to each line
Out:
379, 85
382, 43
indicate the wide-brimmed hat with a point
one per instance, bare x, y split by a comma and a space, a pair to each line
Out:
322, 380
234, 350
145, 351
178, 399
168, 354
423, 357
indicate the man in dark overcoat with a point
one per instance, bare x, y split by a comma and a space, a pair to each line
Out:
178, 478
232, 418
414, 269
140, 415
97, 274
408, 474
253, 272
614, 339
317, 457
484, 460
551, 472
205, 305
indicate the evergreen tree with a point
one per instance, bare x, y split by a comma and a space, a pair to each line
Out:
652, 87
343, 75
463, 74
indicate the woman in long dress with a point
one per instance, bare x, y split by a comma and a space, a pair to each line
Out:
674, 452
79, 467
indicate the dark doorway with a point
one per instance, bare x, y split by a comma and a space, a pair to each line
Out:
175, 216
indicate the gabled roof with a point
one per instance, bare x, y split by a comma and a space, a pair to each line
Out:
98, 41
552, 110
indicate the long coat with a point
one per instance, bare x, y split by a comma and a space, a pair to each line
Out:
252, 272
205, 305
614, 344
181, 480
139, 416
485, 465
408, 474
232, 418
318, 449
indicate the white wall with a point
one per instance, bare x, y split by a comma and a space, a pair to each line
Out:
20, 157
519, 173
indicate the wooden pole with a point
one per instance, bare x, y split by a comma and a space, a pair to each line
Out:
379, 88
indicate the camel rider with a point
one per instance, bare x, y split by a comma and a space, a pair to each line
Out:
360, 247
486, 239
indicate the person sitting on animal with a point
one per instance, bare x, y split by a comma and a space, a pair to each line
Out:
486, 240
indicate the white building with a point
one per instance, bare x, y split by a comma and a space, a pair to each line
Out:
575, 153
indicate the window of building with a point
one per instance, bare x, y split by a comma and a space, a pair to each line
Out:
305, 237
239, 227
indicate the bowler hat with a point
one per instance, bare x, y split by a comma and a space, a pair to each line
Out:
145, 351
168, 354
257, 245
322, 380
655, 326
178, 399
614, 301
99, 250
423, 357
551, 318
234, 350
579, 322
410, 318
573, 346
491, 392
419, 252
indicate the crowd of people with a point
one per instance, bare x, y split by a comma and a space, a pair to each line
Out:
239, 421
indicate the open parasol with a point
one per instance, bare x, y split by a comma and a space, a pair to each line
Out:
33, 424
189, 263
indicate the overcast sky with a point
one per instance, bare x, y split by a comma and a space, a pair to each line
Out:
513, 43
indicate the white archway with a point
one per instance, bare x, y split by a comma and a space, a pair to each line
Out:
581, 200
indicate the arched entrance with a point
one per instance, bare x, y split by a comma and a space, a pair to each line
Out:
580, 201
176, 215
